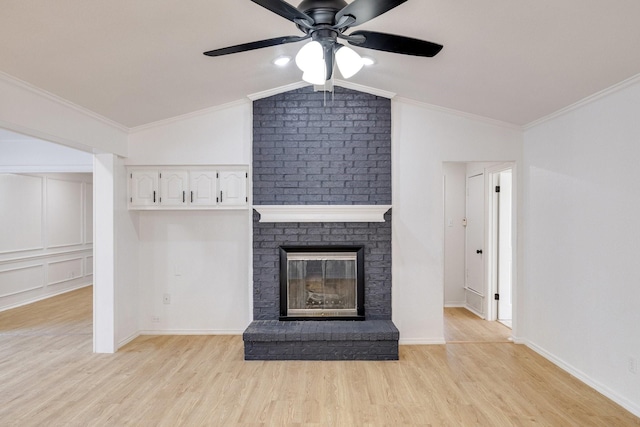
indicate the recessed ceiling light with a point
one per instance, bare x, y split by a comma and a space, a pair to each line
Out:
368, 61
281, 61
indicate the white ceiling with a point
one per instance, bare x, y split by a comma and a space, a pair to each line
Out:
137, 62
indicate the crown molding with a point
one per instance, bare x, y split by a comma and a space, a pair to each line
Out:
585, 101
365, 89
335, 82
191, 115
7, 78
459, 113
277, 90
322, 213
47, 169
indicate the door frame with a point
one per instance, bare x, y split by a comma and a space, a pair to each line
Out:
491, 215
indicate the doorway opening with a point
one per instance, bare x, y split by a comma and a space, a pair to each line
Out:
46, 254
479, 236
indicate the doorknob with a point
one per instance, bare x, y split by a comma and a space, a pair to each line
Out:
479, 251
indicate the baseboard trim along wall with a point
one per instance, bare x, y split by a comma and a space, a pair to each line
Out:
192, 332
46, 296
625, 403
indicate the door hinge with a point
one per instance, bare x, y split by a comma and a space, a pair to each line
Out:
160, 175
131, 199
130, 175
497, 188
246, 199
246, 175
217, 176
496, 297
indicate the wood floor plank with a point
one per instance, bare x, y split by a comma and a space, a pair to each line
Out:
49, 376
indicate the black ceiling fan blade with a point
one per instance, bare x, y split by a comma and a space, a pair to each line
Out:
366, 10
284, 9
255, 45
396, 44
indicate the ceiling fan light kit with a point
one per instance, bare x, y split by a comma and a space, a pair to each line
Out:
326, 21
312, 62
348, 60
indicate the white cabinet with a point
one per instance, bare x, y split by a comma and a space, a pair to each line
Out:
233, 188
188, 187
173, 187
203, 188
143, 188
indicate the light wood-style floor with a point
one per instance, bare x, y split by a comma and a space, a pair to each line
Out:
49, 377
462, 326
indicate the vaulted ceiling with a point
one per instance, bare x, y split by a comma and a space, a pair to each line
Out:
136, 62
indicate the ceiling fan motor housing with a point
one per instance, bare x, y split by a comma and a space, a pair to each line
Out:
323, 12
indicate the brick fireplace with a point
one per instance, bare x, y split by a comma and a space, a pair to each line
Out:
308, 153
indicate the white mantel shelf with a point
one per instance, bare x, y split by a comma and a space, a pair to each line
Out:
322, 213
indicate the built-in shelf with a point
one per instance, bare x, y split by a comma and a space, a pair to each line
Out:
322, 213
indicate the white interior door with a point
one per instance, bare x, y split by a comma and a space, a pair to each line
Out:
505, 262
474, 251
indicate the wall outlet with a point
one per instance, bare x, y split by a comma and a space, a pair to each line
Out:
155, 319
633, 365
166, 298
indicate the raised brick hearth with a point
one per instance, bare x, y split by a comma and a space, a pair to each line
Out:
309, 153
321, 340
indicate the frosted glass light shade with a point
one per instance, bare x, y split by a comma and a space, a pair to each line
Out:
349, 62
316, 75
308, 57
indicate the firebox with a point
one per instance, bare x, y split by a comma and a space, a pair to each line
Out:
322, 283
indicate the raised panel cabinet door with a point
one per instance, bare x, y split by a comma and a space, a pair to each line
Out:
144, 188
233, 188
203, 188
173, 188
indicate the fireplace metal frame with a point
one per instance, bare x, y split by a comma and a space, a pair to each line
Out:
358, 249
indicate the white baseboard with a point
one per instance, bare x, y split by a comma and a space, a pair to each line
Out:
45, 296
454, 304
600, 388
128, 340
191, 332
474, 311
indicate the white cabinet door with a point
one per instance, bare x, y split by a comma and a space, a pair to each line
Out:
173, 187
203, 188
233, 188
144, 188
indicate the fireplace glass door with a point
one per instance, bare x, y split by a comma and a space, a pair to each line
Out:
322, 284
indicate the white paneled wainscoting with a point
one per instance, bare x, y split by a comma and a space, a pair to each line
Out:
46, 244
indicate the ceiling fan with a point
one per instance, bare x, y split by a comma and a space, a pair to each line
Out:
324, 22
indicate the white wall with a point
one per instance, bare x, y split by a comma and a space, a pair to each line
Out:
200, 258
216, 136
423, 138
31, 111
28, 155
582, 286
127, 291
454, 233
45, 236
